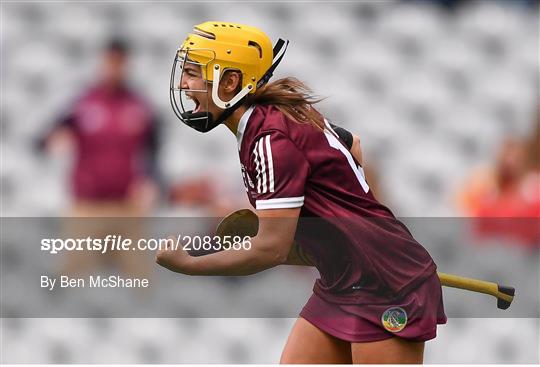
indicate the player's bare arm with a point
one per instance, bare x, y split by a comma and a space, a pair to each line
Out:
351, 141
271, 247
356, 151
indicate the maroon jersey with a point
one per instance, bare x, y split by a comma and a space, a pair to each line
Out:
363, 253
115, 133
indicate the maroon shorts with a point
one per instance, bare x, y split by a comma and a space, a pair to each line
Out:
413, 317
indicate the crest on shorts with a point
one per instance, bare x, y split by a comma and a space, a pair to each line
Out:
394, 319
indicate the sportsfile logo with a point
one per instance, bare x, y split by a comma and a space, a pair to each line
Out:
118, 242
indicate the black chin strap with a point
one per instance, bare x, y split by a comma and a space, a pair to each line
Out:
204, 121
229, 111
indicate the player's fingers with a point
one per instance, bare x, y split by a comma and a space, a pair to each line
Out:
159, 256
170, 243
162, 251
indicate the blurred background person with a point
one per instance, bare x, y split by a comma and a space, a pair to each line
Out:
112, 131
496, 191
508, 190
532, 176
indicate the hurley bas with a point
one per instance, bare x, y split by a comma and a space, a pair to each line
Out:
93, 281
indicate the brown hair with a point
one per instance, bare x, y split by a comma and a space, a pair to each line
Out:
293, 98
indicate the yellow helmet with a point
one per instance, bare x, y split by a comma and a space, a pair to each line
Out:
218, 47
234, 46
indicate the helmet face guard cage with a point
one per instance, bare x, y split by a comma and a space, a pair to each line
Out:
201, 121
178, 96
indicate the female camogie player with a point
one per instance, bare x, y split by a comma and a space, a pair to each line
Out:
378, 298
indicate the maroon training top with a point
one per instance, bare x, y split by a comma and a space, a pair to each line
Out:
115, 139
363, 253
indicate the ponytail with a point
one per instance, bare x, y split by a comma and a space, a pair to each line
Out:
293, 98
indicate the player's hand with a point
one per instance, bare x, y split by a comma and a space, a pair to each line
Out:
176, 260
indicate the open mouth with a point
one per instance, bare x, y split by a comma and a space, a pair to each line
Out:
197, 104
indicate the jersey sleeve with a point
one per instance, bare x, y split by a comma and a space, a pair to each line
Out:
280, 172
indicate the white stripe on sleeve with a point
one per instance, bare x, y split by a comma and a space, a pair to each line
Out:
257, 168
270, 163
260, 144
280, 203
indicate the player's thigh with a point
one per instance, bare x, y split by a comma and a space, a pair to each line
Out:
309, 345
393, 350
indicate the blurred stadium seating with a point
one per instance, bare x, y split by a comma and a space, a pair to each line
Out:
430, 93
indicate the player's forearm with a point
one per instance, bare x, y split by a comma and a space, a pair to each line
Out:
237, 262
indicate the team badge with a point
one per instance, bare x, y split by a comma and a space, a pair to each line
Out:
394, 319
